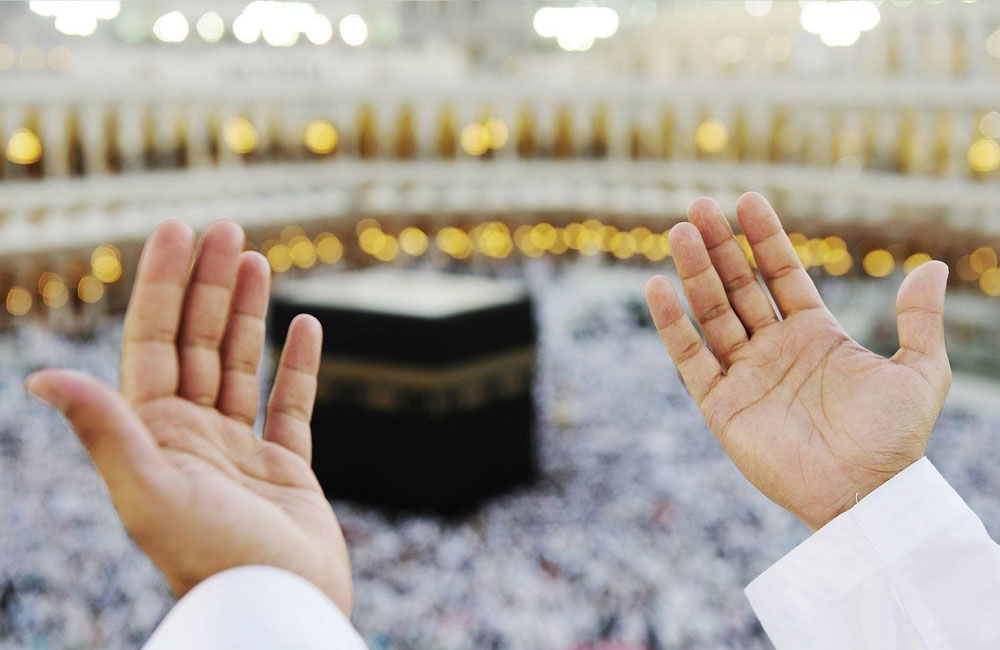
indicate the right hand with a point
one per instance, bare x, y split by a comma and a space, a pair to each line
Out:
814, 420
195, 488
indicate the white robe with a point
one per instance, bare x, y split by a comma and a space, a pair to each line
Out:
910, 567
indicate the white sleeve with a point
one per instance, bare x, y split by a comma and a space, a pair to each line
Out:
909, 567
255, 608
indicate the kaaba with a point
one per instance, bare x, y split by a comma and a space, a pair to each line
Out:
425, 398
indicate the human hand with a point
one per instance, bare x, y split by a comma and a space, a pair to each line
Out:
197, 491
811, 418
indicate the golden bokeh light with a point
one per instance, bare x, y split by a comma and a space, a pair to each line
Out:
54, 293
413, 241
371, 239
984, 155
623, 245
388, 249
321, 137
24, 147
454, 242
105, 264
475, 139
655, 247
878, 263
544, 236
329, 250
838, 262
711, 136
963, 268
302, 252
18, 301
90, 289
915, 260
240, 135
279, 256
497, 132
989, 282
983, 259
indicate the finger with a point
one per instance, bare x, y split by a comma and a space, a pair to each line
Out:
122, 448
920, 320
699, 368
149, 338
206, 312
705, 294
747, 297
289, 410
791, 286
243, 343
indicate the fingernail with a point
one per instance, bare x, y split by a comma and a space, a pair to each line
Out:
31, 385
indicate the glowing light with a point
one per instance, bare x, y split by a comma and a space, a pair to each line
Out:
575, 28
623, 245
493, 239
370, 239
105, 264
989, 125
730, 50
32, 58
53, 291
321, 137
60, 58
878, 263
328, 248
993, 44
76, 18
18, 301
989, 282
983, 259
388, 250
497, 132
210, 27
475, 139
353, 30
454, 242
302, 251
711, 136
319, 31
984, 155
246, 29
758, 8
280, 257
90, 289
964, 269
281, 23
839, 24
24, 147
171, 27
543, 236
838, 262
240, 135
655, 247
777, 48
915, 260
413, 241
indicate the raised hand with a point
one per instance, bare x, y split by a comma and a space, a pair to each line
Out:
811, 418
193, 486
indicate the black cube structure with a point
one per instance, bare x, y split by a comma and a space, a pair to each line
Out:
425, 390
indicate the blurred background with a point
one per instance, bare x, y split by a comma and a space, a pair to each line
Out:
545, 148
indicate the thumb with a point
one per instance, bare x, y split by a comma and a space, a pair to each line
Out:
122, 448
920, 317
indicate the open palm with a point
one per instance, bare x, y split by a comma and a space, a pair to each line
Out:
193, 486
811, 418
